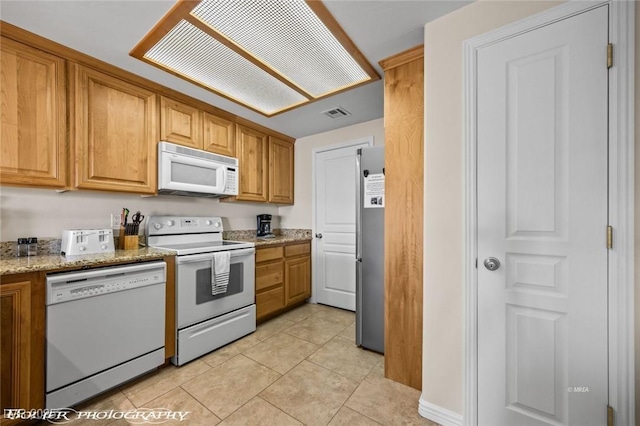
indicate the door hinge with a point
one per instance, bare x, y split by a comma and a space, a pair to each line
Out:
609, 237
610, 417
609, 55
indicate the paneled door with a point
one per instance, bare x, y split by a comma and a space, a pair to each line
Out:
335, 225
542, 214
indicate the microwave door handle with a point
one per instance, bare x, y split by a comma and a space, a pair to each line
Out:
224, 179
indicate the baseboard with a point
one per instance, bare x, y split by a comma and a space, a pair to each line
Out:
439, 415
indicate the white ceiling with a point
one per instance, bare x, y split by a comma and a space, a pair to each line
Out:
109, 29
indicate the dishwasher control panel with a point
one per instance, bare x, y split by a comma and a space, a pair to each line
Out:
78, 285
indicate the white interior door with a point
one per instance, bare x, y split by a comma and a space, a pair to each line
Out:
542, 212
335, 225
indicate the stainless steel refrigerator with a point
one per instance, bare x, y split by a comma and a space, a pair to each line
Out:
370, 248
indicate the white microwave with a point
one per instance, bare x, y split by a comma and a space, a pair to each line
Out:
188, 171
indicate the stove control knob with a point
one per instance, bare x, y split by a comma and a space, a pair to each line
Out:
207, 222
170, 223
217, 224
157, 225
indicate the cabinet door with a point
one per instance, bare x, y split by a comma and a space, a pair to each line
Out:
219, 135
22, 325
180, 123
33, 147
270, 301
114, 133
280, 171
297, 279
15, 338
251, 150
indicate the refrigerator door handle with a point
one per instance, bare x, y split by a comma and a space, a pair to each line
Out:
358, 206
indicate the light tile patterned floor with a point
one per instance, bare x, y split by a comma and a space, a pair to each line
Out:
301, 368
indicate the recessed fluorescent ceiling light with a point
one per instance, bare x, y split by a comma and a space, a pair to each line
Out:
268, 55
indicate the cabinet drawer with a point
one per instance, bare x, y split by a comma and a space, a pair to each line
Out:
297, 249
271, 253
269, 301
268, 275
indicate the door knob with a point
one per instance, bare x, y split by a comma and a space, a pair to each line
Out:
318, 235
491, 263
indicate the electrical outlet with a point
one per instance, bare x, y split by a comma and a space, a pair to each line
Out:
115, 220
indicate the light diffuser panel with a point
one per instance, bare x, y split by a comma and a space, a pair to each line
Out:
287, 36
269, 55
189, 51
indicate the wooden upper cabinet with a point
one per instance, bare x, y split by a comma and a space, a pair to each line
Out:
251, 150
33, 145
180, 123
113, 133
219, 135
187, 125
280, 171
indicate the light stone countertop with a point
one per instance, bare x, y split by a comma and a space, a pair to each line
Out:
282, 236
49, 262
261, 242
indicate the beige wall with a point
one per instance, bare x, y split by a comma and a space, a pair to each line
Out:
299, 215
42, 213
443, 332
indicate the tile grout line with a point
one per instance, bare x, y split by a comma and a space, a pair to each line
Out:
200, 402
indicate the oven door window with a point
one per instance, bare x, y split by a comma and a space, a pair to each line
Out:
203, 284
195, 303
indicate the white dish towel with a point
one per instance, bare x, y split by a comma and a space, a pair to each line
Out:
220, 272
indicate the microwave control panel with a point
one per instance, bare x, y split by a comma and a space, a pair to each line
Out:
232, 181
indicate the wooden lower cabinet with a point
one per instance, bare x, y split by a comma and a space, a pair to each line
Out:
22, 327
297, 272
283, 278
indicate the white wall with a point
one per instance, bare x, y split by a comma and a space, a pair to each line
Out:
442, 369
299, 215
44, 213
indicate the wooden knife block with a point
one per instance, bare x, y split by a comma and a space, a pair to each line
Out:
127, 242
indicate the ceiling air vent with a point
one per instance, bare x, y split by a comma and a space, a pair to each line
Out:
337, 112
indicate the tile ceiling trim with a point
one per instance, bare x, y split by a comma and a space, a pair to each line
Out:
182, 10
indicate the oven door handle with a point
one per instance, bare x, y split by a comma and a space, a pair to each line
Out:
242, 252
191, 258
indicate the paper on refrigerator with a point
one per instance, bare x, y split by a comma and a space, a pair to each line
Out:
374, 191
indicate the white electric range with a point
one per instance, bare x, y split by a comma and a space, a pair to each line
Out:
205, 322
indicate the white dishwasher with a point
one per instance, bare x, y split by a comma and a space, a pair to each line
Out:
104, 327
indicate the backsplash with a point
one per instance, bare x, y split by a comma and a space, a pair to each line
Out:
45, 213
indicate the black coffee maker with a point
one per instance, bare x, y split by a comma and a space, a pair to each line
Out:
264, 226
